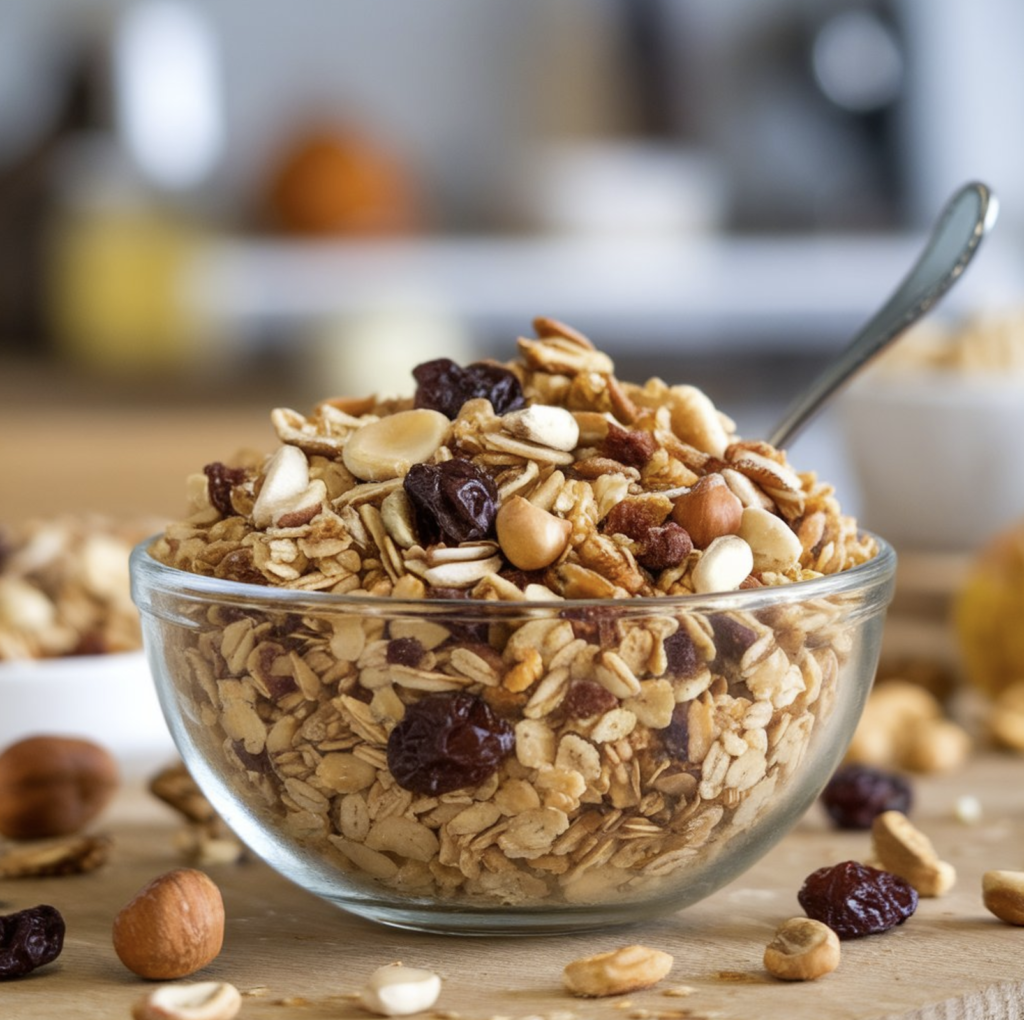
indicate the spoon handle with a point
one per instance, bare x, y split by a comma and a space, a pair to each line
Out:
965, 220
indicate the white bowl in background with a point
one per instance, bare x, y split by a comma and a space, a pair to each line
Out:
937, 456
109, 699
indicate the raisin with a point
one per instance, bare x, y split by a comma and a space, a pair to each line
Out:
682, 657
857, 794
29, 939
404, 651
664, 547
634, 518
732, 638
442, 385
676, 736
633, 447
854, 899
453, 501
220, 480
447, 742
586, 698
595, 624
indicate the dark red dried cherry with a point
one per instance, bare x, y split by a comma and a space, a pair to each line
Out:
29, 939
664, 547
681, 654
404, 651
454, 501
732, 638
447, 742
857, 794
586, 698
854, 899
442, 385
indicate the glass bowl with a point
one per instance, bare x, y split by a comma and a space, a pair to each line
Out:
494, 767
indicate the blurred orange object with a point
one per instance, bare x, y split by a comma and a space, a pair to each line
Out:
337, 182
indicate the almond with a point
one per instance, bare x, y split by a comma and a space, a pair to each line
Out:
173, 926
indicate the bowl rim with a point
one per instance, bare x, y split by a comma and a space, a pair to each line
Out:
149, 575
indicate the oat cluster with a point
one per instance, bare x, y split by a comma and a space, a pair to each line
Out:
580, 755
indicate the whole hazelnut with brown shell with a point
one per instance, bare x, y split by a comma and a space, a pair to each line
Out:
53, 786
708, 510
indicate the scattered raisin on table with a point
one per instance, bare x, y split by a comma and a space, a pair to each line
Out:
453, 501
29, 939
854, 899
447, 742
857, 794
442, 385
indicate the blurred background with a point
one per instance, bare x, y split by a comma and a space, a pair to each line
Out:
207, 210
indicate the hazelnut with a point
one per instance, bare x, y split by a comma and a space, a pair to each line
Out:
708, 510
529, 536
53, 786
173, 927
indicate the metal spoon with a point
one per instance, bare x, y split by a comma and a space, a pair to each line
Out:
967, 217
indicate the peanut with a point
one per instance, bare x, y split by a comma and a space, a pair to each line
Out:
802, 950
203, 1000
395, 990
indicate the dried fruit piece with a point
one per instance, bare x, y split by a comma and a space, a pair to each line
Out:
447, 742
802, 950
29, 939
396, 990
442, 385
857, 794
854, 899
453, 501
220, 480
623, 970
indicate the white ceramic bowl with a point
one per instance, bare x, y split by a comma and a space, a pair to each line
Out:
937, 456
109, 699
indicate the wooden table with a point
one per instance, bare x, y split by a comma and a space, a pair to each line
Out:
294, 956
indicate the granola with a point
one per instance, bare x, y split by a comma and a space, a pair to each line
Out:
465, 729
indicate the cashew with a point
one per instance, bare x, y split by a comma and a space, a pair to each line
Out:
202, 1000
726, 563
802, 950
623, 970
530, 537
396, 990
904, 850
1002, 892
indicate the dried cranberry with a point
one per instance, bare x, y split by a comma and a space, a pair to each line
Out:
404, 651
595, 624
29, 939
681, 654
454, 501
854, 899
220, 480
447, 742
586, 698
665, 547
857, 794
442, 385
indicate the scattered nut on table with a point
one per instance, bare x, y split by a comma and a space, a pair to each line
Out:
53, 786
628, 969
802, 950
396, 990
173, 926
201, 1000
901, 848
1002, 892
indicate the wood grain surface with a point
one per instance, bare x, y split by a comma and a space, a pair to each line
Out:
293, 955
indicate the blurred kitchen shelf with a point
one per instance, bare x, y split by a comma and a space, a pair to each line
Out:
803, 290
